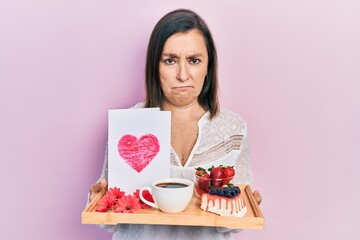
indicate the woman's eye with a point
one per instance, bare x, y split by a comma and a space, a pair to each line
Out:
169, 61
194, 61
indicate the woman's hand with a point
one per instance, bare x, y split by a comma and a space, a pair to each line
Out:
96, 188
257, 196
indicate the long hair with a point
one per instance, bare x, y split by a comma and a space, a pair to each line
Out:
181, 20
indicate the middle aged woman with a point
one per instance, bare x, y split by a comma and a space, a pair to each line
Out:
181, 77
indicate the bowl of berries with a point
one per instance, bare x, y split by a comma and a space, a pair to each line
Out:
215, 180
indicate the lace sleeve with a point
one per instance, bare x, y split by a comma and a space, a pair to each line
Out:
104, 172
242, 168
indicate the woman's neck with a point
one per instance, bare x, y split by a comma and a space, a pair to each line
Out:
193, 110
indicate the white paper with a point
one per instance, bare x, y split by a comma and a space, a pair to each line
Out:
138, 147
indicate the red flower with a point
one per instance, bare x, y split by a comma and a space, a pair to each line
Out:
116, 193
105, 204
128, 204
146, 195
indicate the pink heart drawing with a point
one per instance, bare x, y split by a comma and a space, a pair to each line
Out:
138, 153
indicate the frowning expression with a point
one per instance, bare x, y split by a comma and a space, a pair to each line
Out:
183, 67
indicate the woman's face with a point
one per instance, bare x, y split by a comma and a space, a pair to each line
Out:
183, 67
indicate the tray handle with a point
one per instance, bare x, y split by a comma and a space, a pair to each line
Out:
253, 202
91, 206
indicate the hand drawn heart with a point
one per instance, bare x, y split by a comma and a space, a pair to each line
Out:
138, 153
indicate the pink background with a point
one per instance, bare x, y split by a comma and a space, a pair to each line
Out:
291, 68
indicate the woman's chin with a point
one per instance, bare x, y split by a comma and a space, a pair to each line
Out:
185, 102
182, 100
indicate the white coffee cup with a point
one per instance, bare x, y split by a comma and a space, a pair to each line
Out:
171, 195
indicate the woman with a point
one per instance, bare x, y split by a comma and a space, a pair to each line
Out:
181, 77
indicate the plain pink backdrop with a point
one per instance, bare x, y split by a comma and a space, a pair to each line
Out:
291, 68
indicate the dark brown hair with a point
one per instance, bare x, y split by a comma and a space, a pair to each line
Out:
181, 20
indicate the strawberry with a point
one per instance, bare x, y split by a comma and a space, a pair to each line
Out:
216, 175
204, 182
200, 171
199, 191
229, 173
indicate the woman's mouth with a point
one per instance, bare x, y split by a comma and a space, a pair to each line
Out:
183, 87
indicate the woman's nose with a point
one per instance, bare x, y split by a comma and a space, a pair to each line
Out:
183, 73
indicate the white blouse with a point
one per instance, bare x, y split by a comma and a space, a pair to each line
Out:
222, 140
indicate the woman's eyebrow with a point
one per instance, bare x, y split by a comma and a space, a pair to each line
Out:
195, 55
171, 55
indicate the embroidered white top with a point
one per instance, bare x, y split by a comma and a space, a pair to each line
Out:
222, 140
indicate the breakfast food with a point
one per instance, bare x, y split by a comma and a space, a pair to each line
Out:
218, 195
214, 177
225, 201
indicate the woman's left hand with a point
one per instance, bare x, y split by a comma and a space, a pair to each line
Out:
257, 196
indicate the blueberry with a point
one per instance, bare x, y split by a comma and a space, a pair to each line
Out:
237, 190
220, 193
232, 193
224, 191
213, 191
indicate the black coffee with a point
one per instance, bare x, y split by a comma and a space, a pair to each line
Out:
171, 185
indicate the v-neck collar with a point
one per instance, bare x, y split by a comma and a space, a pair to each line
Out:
201, 123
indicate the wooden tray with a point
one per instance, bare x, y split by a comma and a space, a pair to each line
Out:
191, 216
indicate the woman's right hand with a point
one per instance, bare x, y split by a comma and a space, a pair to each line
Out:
96, 188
